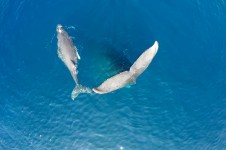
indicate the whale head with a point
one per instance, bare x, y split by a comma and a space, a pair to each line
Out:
59, 28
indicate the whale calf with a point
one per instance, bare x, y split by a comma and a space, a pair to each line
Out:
128, 77
68, 53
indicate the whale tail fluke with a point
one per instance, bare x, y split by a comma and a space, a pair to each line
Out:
79, 89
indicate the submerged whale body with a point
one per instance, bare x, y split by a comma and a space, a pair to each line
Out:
68, 53
118, 58
113, 61
128, 77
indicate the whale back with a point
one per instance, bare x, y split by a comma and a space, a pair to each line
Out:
66, 46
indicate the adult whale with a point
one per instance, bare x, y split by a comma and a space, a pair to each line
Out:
128, 77
68, 53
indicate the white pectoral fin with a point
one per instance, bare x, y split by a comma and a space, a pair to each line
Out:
116, 82
78, 55
144, 60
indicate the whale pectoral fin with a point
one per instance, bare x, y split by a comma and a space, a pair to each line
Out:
131, 83
77, 53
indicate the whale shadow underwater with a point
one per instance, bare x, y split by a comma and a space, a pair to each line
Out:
114, 60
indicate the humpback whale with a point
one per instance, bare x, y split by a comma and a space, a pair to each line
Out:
68, 53
128, 77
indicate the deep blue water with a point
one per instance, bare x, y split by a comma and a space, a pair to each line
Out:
179, 102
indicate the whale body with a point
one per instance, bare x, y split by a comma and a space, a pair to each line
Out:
128, 77
68, 53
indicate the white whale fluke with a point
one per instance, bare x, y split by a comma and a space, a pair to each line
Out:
68, 53
124, 78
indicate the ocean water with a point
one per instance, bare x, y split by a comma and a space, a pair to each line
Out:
178, 103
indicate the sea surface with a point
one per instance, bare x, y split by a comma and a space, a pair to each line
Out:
178, 103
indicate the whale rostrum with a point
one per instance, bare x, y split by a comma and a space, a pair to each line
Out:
128, 77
